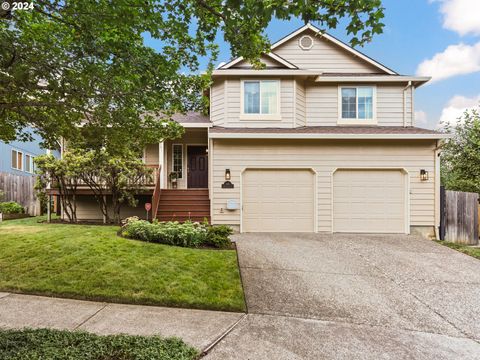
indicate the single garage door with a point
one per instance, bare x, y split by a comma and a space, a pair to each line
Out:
369, 201
278, 200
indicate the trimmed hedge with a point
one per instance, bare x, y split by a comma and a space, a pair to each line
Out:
40, 344
187, 234
11, 207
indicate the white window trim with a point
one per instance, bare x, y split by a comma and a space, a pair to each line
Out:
183, 159
23, 160
31, 171
357, 121
243, 116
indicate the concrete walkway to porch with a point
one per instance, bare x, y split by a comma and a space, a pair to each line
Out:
199, 328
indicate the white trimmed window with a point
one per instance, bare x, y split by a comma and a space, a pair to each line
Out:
357, 105
29, 164
260, 99
177, 159
17, 160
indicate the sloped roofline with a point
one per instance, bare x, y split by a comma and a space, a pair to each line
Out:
325, 35
270, 55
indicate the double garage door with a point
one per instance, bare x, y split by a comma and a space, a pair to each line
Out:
281, 200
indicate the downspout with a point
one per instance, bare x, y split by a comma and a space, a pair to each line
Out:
437, 152
405, 103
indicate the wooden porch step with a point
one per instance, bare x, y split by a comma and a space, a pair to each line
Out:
183, 204
191, 198
184, 207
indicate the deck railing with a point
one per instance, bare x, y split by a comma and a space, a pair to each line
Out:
147, 180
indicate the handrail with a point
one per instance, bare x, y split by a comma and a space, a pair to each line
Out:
156, 194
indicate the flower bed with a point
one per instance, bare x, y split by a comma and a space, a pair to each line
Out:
187, 234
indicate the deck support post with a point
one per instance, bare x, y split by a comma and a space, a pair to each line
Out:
49, 208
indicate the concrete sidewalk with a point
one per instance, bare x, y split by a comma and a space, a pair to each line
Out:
198, 328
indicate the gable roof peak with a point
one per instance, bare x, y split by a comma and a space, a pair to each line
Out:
323, 34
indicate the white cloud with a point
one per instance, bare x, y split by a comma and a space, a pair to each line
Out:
456, 107
454, 60
421, 118
461, 16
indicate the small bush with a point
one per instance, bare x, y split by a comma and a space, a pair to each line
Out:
40, 344
11, 207
219, 236
187, 234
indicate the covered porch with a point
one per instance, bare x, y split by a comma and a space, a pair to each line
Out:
183, 162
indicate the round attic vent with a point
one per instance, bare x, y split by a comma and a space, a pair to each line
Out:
305, 42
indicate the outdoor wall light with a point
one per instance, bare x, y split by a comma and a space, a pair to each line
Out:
423, 175
227, 184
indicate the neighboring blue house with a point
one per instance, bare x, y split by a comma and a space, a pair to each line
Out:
17, 157
17, 170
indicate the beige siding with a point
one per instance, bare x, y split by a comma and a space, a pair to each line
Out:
324, 157
322, 106
226, 111
88, 208
268, 61
324, 56
151, 154
218, 102
300, 103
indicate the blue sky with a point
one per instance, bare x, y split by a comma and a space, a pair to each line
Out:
444, 35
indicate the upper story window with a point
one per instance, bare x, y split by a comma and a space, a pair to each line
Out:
17, 160
260, 99
29, 164
357, 105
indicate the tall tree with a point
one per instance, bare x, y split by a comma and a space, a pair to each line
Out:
71, 62
461, 154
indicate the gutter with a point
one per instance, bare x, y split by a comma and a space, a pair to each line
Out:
226, 135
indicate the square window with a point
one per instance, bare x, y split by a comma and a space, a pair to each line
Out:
357, 103
17, 160
260, 97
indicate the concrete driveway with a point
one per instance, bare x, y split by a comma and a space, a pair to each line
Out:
312, 296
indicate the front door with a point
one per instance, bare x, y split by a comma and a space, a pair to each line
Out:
197, 168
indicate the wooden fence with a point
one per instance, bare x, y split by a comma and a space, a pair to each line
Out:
460, 218
20, 189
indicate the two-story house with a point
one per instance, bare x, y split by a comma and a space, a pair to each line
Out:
323, 139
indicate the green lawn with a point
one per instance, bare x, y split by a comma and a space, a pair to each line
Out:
472, 251
60, 345
92, 262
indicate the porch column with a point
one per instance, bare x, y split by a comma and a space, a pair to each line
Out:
161, 163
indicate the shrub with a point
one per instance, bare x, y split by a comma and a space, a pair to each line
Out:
11, 207
219, 236
29, 344
187, 234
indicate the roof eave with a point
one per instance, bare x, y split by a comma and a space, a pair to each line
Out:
225, 135
416, 80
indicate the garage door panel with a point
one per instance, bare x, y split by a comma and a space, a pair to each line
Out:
369, 201
278, 200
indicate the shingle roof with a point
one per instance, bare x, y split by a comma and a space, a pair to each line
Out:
400, 130
191, 117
